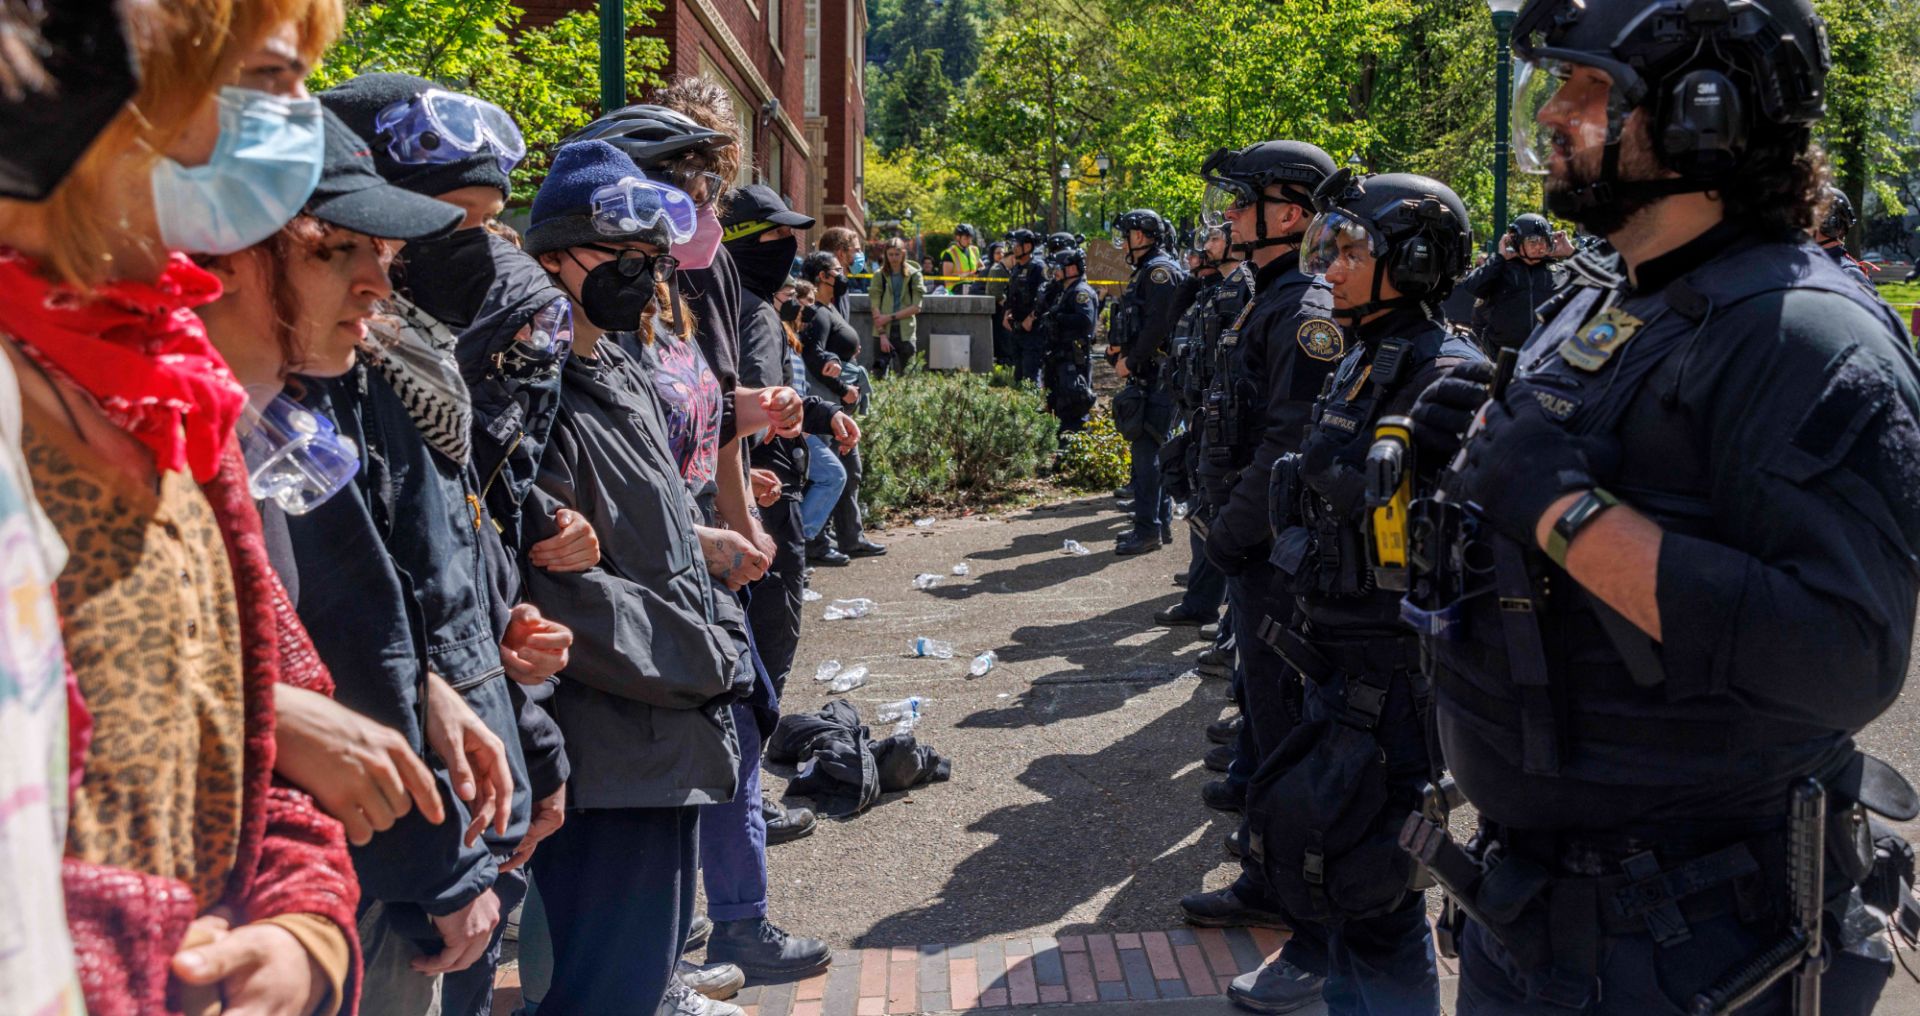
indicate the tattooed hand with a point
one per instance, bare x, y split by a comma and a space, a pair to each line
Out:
731, 557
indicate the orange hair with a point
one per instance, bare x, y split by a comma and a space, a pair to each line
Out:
186, 50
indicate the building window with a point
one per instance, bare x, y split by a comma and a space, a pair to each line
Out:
773, 26
745, 113
811, 87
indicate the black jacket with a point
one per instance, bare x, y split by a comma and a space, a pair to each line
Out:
1154, 299
828, 338
1509, 291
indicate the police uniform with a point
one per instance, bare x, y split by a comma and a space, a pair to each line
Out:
1765, 412
1216, 306
1072, 317
1325, 810
1149, 308
1849, 265
1023, 298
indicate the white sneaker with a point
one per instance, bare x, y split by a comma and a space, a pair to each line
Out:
714, 980
684, 1001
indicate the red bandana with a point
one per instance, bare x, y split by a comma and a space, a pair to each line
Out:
136, 347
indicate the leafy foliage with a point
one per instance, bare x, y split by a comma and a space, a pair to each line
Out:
1095, 457
546, 78
931, 435
1871, 96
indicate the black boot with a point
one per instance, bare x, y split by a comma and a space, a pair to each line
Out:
1223, 796
863, 547
1219, 757
1224, 731
1277, 987
1235, 849
1225, 909
785, 824
819, 551
698, 934
1140, 541
766, 953
1178, 615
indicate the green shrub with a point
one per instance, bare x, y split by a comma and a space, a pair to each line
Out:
931, 436
1096, 457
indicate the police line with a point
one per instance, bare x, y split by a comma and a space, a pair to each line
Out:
982, 279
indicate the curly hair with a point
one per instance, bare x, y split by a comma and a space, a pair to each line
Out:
1780, 185
708, 103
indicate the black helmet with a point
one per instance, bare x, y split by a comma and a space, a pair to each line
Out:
1238, 177
1839, 219
1020, 236
650, 135
1057, 242
1415, 227
1530, 227
817, 264
1709, 72
1159, 232
965, 230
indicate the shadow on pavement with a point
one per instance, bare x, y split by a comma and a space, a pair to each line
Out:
1115, 817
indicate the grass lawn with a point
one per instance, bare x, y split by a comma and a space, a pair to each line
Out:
1903, 295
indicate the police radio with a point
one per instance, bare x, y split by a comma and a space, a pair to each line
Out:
1389, 472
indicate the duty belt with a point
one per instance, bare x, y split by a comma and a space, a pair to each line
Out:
1322, 661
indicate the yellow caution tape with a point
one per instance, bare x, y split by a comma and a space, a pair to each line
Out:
980, 279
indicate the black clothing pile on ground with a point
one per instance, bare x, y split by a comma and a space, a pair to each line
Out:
842, 767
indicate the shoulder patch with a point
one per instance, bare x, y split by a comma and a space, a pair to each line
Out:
1321, 339
1161, 276
1083, 297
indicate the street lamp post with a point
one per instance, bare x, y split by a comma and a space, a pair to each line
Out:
1065, 213
613, 55
1102, 163
1504, 13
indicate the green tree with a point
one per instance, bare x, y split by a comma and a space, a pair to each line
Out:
1871, 96
541, 76
912, 98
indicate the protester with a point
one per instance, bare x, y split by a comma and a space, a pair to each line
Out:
826, 473
831, 349
895, 297
187, 879
844, 245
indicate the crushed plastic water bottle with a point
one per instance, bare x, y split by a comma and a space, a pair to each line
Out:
1076, 548
924, 646
848, 679
904, 714
825, 671
925, 580
961, 569
1179, 509
922, 523
810, 595
982, 663
859, 606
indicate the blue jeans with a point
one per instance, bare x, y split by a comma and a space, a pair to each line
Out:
826, 478
733, 836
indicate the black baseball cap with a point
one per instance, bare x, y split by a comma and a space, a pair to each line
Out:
353, 195
754, 209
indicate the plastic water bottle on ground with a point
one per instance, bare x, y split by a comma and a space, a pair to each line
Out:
810, 595
825, 671
848, 679
859, 606
904, 714
1076, 548
982, 663
922, 523
961, 569
925, 580
924, 646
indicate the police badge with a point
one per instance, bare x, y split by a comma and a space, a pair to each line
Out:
1321, 339
1590, 350
1161, 276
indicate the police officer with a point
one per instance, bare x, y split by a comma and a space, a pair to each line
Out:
1521, 275
1832, 234
1697, 509
1324, 815
1023, 300
1143, 410
997, 276
1222, 288
1072, 315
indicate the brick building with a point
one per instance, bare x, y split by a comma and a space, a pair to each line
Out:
796, 69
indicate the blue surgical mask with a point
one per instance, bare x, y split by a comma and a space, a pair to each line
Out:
264, 167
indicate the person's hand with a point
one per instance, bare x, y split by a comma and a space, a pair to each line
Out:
832, 369
475, 758
766, 486
850, 396
260, 968
1444, 411
549, 814
786, 412
1027, 322
466, 934
1120, 367
846, 432
731, 557
360, 772
534, 648
1006, 318
1506, 247
885, 346
1520, 462
575, 548
1562, 244
880, 321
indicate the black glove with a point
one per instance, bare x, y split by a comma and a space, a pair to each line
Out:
1341, 485
1520, 463
1442, 413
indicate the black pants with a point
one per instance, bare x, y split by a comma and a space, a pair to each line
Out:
847, 528
618, 884
774, 611
469, 992
893, 362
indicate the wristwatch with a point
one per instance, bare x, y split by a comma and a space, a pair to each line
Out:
1578, 516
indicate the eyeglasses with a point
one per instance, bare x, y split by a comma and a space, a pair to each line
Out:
691, 180
633, 263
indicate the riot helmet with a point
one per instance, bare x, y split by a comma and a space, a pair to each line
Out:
1158, 231
1714, 77
1415, 227
1530, 226
1237, 178
1023, 238
1057, 242
1839, 219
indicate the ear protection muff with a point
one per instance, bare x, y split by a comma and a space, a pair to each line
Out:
1702, 127
1414, 266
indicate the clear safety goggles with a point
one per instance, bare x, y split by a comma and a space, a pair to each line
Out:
295, 457
439, 126
638, 205
707, 184
1565, 91
1335, 239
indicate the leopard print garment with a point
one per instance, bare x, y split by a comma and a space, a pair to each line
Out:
151, 625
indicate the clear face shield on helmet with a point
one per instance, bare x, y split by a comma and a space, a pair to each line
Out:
1556, 115
1221, 197
1336, 239
636, 205
438, 126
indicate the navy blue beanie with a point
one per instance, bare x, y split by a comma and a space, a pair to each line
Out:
563, 210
